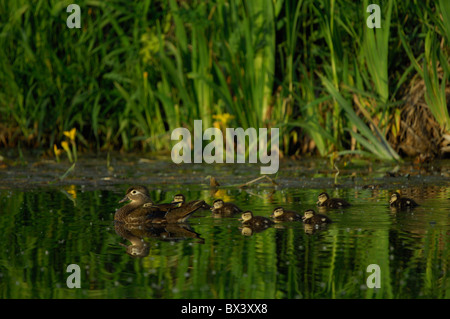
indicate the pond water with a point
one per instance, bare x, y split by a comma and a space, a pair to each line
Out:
48, 223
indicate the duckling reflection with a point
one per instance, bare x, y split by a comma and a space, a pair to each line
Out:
311, 229
137, 234
250, 230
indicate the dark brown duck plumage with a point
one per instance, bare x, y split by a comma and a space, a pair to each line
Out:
311, 217
220, 208
281, 214
324, 200
401, 202
142, 210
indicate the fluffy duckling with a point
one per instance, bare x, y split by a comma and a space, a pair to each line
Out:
401, 202
324, 200
221, 208
178, 201
280, 214
311, 217
248, 219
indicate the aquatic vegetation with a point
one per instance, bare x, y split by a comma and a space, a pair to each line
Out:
136, 71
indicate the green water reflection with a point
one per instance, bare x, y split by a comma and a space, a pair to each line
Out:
43, 231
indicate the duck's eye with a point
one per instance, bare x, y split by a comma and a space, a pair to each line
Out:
134, 192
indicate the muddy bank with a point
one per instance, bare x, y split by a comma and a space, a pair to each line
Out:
98, 172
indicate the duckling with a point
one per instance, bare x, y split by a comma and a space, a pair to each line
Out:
311, 217
326, 201
401, 202
280, 214
178, 201
143, 210
173, 215
248, 219
224, 209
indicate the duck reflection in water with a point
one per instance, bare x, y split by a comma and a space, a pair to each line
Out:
141, 218
137, 235
311, 229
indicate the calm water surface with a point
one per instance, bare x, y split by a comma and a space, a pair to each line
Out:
45, 229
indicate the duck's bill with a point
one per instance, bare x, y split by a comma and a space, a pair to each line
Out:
124, 199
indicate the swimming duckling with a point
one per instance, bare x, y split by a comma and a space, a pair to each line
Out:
326, 201
248, 219
280, 214
401, 202
178, 201
311, 217
221, 208
142, 210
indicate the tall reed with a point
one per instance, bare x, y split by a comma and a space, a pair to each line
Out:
135, 71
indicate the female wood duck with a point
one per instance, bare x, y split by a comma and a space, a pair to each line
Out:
311, 217
280, 214
143, 210
221, 208
401, 202
324, 200
248, 219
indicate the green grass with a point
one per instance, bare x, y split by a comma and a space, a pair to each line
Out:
136, 71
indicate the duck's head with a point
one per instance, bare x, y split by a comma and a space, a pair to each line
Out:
323, 197
308, 214
246, 216
394, 197
178, 198
277, 212
218, 203
137, 194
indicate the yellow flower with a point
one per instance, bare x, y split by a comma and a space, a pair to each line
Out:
71, 134
223, 118
72, 191
145, 75
222, 194
65, 145
56, 150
